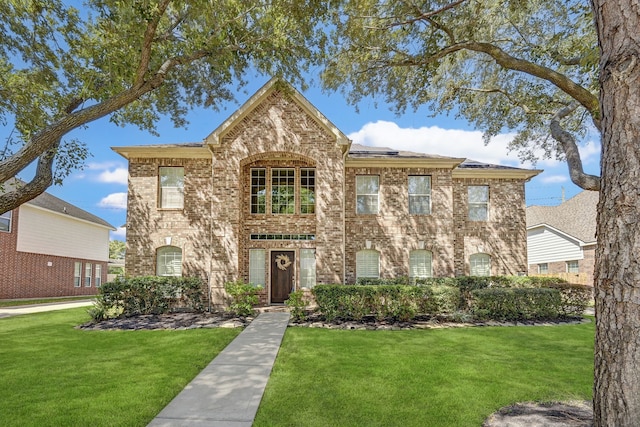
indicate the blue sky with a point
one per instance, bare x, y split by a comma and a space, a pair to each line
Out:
100, 188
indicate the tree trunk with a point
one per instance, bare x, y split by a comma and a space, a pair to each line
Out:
617, 284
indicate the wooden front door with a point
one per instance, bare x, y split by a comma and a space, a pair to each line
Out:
282, 268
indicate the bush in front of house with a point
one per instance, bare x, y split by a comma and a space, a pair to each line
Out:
131, 296
498, 297
398, 302
514, 304
244, 297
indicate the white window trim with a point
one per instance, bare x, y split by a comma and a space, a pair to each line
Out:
415, 195
474, 258
477, 204
257, 267
174, 195
77, 274
7, 216
428, 259
88, 274
160, 253
368, 268
376, 194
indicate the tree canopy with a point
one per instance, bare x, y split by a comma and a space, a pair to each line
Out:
135, 62
525, 66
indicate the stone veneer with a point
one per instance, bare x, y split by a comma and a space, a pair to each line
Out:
214, 227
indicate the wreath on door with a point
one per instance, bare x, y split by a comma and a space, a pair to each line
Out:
283, 262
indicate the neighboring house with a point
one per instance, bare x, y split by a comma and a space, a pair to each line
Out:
50, 248
278, 196
561, 240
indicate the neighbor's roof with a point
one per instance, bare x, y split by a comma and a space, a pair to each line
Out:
575, 217
54, 204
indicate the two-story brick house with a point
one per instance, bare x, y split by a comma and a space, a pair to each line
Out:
278, 196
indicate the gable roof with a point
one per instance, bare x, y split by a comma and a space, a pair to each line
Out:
575, 217
275, 84
51, 203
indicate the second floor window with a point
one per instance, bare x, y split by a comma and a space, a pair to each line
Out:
171, 187
307, 191
478, 202
420, 195
367, 189
283, 190
5, 222
258, 191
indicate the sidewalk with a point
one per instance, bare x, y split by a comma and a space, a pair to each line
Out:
38, 308
228, 391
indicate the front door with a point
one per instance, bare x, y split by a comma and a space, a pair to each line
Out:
282, 265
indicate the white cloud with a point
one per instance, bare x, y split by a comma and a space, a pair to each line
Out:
119, 234
114, 201
116, 176
456, 143
553, 179
435, 140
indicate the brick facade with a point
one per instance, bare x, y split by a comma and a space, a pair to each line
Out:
280, 130
29, 275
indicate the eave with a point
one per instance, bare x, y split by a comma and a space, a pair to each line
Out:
525, 174
160, 152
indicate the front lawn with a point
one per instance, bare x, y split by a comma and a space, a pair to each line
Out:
54, 375
21, 302
449, 377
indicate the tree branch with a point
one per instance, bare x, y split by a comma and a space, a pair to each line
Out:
147, 42
40, 182
570, 148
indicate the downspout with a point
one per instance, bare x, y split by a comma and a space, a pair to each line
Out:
344, 213
210, 233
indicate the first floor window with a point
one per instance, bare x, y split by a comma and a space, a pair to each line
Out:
169, 261
367, 189
368, 264
171, 187
77, 274
480, 264
478, 202
572, 267
420, 195
98, 275
257, 261
419, 264
543, 268
87, 275
5, 222
307, 268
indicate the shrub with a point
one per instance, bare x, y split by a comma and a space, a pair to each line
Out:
130, 296
243, 297
297, 304
575, 298
514, 304
440, 299
371, 281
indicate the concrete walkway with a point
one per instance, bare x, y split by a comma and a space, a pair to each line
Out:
228, 391
38, 308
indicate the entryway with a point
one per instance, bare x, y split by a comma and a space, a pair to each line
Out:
282, 275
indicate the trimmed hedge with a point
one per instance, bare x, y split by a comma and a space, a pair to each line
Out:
516, 303
130, 296
384, 301
496, 297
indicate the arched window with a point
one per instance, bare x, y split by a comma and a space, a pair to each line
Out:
368, 264
169, 261
419, 264
480, 264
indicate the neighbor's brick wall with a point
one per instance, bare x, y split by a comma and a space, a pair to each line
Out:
586, 268
27, 275
503, 236
394, 232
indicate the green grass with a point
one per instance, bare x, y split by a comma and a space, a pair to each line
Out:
451, 377
54, 375
14, 303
